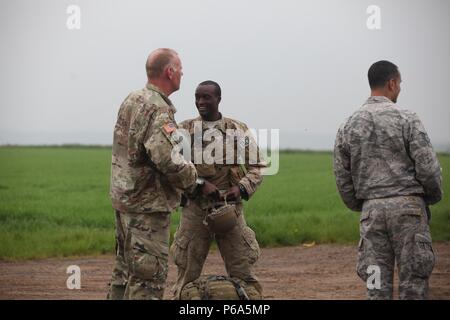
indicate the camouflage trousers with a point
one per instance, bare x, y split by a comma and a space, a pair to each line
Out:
142, 249
238, 247
395, 230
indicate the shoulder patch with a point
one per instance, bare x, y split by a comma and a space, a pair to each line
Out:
169, 127
243, 143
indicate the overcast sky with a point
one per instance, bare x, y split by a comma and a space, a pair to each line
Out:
297, 66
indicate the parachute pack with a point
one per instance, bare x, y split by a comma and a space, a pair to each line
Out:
214, 287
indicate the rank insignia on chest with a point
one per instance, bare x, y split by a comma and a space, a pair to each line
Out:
169, 127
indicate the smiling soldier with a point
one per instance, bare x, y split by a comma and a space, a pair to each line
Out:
226, 183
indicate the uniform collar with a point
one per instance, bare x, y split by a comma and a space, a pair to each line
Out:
378, 99
220, 124
152, 87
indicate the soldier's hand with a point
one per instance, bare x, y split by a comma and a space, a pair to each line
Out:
233, 194
210, 190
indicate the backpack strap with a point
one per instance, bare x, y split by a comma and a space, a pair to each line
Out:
239, 290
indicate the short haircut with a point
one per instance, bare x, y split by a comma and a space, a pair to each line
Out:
158, 61
381, 72
212, 83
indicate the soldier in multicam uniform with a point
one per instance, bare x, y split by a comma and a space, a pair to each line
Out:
146, 182
385, 167
238, 247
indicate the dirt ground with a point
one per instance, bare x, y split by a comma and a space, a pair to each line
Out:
319, 272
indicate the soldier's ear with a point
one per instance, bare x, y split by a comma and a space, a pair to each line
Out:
391, 84
169, 72
219, 98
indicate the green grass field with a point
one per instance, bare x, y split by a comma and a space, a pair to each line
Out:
54, 202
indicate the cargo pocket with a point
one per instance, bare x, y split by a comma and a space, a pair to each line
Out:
423, 257
179, 250
144, 264
361, 266
253, 246
363, 263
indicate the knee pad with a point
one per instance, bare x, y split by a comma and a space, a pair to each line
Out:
146, 266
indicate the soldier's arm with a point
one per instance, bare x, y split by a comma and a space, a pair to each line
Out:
250, 182
251, 171
426, 163
343, 174
159, 142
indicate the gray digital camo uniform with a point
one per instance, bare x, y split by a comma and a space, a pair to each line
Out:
385, 167
146, 186
238, 247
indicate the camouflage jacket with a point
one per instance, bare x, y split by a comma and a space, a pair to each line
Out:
236, 162
380, 152
144, 176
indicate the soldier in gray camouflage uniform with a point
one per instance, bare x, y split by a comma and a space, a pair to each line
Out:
146, 182
385, 167
222, 179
